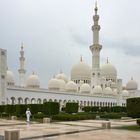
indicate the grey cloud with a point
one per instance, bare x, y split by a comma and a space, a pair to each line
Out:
132, 50
126, 46
79, 39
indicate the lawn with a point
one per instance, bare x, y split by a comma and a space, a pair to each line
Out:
130, 127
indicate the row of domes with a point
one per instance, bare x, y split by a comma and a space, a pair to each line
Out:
57, 84
80, 70
60, 82
32, 81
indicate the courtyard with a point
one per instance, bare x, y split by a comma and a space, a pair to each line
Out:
74, 130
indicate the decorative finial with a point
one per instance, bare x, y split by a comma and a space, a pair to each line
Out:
22, 46
107, 60
96, 4
54, 76
96, 7
61, 71
132, 78
33, 73
81, 58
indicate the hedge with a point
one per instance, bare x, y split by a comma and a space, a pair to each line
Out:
51, 108
35, 108
71, 108
2, 108
10, 109
105, 109
73, 117
21, 109
118, 109
87, 109
133, 107
138, 121
115, 109
113, 115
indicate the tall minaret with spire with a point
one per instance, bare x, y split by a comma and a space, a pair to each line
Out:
22, 70
95, 49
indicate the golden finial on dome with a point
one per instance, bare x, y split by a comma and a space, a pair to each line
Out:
54, 76
107, 60
96, 4
22, 45
96, 7
81, 58
61, 71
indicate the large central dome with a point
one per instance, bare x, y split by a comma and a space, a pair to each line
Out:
81, 71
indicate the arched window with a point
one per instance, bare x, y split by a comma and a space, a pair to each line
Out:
39, 101
13, 100
20, 100
27, 101
44, 100
33, 101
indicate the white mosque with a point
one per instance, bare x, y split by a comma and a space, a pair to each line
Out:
89, 86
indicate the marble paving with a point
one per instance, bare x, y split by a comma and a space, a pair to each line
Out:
75, 130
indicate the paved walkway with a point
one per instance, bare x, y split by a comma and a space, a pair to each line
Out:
77, 130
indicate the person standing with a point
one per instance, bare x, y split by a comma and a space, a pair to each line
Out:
28, 114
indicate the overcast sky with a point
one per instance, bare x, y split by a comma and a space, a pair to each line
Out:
56, 32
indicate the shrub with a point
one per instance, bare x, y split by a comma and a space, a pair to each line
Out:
39, 115
94, 108
71, 108
105, 109
87, 109
133, 107
51, 108
138, 121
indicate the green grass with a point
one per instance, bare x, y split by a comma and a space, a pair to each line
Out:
130, 127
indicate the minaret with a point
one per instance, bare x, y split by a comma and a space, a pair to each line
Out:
3, 71
95, 49
22, 70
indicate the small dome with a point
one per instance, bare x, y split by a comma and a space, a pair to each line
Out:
131, 85
81, 71
10, 78
108, 71
125, 93
54, 84
85, 88
71, 86
62, 76
108, 91
62, 84
33, 81
97, 90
